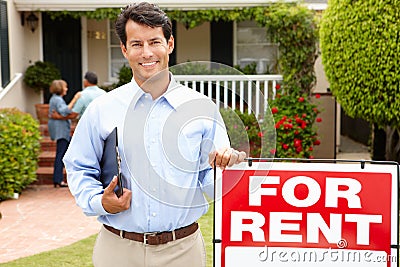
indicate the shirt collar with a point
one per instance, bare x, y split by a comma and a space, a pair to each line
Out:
173, 95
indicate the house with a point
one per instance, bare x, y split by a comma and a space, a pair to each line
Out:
76, 45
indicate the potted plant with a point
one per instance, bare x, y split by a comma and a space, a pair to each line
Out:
39, 77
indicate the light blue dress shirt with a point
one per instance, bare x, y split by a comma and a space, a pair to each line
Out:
164, 146
87, 96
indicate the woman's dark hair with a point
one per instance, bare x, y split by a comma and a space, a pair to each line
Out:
146, 14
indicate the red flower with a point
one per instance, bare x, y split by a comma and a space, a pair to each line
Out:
297, 142
311, 157
317, 96
304, 115
315, 110
301, 99
299, 149
278, 86
288, 126
273, 151
285, 146
274, 110
296, 132
318, 119
260, 134
317, 142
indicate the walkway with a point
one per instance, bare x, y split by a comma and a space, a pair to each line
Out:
41, 219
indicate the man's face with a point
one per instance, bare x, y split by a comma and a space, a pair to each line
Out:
146, 50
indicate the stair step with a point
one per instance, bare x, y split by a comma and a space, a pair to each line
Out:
44, 175
47, 144
46, 158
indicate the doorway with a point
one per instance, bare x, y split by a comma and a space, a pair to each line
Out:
62, 47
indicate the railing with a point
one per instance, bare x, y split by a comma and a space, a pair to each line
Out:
10, 85
244, 92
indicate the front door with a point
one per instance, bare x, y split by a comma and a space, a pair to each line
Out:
62, 47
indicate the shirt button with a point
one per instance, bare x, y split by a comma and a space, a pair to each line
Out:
141, 105
154, 214
154, 190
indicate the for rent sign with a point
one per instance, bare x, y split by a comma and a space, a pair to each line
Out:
309, 214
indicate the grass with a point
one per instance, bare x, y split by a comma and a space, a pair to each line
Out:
80, 253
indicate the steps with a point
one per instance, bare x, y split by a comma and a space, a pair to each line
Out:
44, 173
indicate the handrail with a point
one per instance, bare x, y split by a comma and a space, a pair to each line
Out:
10, 85
243, 92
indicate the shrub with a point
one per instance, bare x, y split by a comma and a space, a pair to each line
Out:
19, 151
124, 76
360, 53
243, 131
40, 75
294, 125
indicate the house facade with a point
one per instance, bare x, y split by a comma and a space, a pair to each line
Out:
78, 45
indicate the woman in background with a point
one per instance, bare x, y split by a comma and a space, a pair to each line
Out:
60, 129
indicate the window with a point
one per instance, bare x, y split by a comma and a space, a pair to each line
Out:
116, 58
4, 46
253, 46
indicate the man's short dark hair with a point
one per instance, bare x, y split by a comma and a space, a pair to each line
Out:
145, 14
91, 77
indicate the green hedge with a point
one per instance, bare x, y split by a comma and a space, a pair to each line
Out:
360, 53
19, 151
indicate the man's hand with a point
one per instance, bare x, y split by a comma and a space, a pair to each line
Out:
226, 157
111, 203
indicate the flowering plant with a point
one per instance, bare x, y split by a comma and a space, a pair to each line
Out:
243, 131
294, 117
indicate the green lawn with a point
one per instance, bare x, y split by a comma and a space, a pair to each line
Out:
80, 253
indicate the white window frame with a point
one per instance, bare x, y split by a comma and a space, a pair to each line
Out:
110, 32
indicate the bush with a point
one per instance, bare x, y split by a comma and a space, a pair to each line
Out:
360, 53
295, 128
19, 151
40, 75
243, 131
124, 76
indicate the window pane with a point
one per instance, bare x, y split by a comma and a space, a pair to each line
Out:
253, 45
117, 61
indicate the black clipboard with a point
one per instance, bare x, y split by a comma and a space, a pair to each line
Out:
110, 163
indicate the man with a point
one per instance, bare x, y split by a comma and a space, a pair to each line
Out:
170, 137
90, 92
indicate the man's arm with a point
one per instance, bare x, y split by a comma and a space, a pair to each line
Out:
73, 101
57, 116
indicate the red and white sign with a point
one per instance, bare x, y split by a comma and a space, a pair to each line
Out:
307, 214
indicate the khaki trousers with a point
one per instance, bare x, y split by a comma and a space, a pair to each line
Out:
110, 250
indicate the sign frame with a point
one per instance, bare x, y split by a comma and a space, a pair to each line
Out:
284, 164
